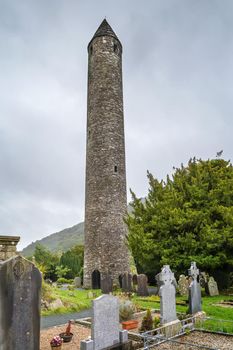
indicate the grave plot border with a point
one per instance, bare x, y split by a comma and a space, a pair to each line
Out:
158, 336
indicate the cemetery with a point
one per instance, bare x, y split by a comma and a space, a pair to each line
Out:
177, 291
156, 316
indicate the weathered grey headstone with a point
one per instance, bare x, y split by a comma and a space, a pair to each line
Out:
130, 289
167, 294
77, 282
20, 285
194, 290
183, 285
105, 322
106, 284
135, 282
142, 285
212, 287
124, 282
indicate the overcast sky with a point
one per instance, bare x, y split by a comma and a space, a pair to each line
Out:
178, 95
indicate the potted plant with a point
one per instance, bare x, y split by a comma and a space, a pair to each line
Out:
67, 335
56, 342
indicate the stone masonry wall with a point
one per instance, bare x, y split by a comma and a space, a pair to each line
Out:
106, 202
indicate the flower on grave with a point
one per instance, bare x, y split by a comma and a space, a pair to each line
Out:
56, 341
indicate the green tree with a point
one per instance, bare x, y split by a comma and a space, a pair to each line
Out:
73, 260
61, 271
188, 217
47, 261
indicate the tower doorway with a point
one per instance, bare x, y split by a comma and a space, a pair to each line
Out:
95, 279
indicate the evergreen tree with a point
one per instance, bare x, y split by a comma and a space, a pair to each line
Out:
188, 217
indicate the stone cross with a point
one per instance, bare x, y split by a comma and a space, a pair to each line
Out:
142, 285
194, 290
167, 294
20, 285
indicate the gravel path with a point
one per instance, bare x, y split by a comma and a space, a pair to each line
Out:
213, 341
80, 333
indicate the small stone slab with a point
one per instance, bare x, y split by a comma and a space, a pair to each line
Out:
78, 282
105, 322
183, 285
212, 287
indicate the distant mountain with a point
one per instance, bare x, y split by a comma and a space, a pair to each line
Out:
59, 241
62, 240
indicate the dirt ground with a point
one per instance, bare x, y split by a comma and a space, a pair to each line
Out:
80, 333
207, 340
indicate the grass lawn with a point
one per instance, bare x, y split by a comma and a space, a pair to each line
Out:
73, 300
77, 300
218, 312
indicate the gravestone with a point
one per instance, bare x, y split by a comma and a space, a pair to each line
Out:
142, 285
203, 280
167, 293
135, 280
212, 287
77, 282
183, 285
106, 284
124, 282
194, 290
20, 285
105, 331
130, 288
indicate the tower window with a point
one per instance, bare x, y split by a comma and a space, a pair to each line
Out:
115, 48
115, 169
91, 49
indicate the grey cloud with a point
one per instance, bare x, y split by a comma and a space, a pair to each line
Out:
177, 69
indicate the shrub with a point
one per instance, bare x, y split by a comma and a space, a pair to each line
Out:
156, 322
126, 310
147, 322
62, 280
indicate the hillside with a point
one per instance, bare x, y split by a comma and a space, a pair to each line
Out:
62, 240
59, 241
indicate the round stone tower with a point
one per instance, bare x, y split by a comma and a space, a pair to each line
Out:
106, 251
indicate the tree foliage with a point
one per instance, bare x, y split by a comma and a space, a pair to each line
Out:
69, 264
46, 261
188, 217
73, 260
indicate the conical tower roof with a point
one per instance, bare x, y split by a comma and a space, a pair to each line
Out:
104, 30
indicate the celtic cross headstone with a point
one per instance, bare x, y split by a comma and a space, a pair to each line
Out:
194, 290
